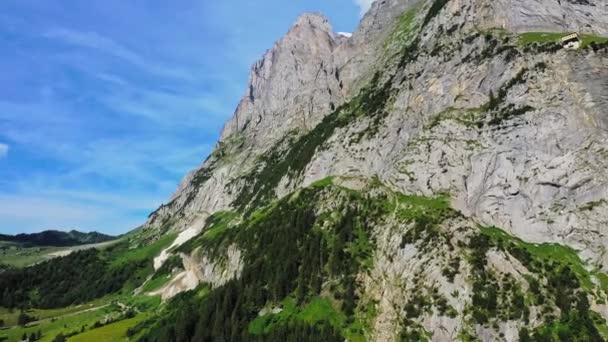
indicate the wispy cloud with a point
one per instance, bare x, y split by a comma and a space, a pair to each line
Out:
127, 175
168, 107
96, 41
93, 40
364, 5
3, 150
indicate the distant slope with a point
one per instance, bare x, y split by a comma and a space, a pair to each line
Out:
56, 238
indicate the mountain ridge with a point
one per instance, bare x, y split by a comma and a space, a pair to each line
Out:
56, 238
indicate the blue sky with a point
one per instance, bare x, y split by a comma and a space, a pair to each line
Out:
106, 104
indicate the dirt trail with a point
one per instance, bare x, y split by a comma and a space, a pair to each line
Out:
70, 250
48, 319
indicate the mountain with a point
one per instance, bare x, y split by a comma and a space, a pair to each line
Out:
56, 238
469, 106
439, 175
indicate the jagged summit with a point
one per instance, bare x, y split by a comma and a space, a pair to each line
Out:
314, 20
291, 78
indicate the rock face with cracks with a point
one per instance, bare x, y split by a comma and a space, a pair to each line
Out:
466, 99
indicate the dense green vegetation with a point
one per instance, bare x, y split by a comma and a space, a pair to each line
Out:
302, 255
319, 311
73, 279
11, 316
558, 280
79, 277
108, 323
291, 251
110, 317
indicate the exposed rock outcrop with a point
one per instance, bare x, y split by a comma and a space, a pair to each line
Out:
431, 97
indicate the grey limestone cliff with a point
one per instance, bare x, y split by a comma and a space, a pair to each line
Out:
429, 97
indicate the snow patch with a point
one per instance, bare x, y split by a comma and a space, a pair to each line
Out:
345, 34
180, 240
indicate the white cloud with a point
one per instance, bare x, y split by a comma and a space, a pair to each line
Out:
364, 5
3, 150
166, 107
95, 41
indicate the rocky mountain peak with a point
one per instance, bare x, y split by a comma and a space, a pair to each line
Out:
314, 20
292, 86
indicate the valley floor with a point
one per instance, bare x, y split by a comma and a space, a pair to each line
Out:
106, 319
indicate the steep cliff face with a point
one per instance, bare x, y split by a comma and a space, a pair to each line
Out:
585, 16
472, 100
530, 173
305, 76
293, 86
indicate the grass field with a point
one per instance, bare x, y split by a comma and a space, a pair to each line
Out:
17, 256
64, 324
155, 283
77, 321
10, 316
554, 37
20, 257
70, 320
317, 310
145, 252
110, 333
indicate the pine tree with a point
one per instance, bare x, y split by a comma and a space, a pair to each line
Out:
349, 297
59, 338
23, 319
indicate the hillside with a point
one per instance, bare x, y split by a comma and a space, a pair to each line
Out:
440, 175
24, 250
